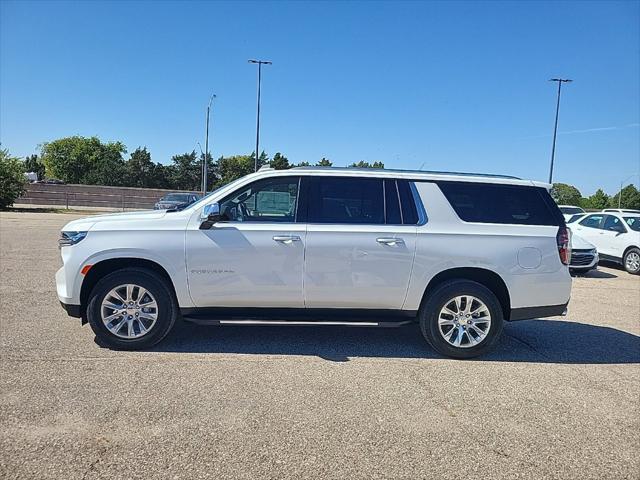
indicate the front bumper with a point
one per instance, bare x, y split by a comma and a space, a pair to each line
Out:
583, 260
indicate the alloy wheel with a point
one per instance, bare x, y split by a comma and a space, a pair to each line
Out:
129, 311
464, 321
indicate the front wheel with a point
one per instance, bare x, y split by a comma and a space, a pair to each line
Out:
131, 309
632, 261
461, 319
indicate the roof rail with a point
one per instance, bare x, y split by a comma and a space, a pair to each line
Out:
398, 170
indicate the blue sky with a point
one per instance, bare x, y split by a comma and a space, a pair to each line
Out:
447, 86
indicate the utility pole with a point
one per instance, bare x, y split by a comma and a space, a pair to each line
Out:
206, 149
555, 128
259, 63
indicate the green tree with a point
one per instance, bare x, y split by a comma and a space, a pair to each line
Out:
33, 164
303, 164
280, 162
598, 200
630, 198
229, 169
12, 179
186, 171
363, 164
141, 171
85, 160
565, 194
324, 162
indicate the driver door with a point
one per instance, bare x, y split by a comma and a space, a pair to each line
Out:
612, 236
254, 256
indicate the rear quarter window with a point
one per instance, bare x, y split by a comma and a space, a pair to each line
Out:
507, 204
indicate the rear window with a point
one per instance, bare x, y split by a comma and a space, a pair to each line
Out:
571, 210
508, 204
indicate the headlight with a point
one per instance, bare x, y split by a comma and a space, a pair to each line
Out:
70, 238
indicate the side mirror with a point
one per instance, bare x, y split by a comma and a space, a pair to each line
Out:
209, 216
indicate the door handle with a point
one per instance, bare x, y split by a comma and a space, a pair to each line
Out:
286, 238
390, 241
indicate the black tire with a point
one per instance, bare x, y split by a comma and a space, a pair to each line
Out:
442, 296
625, 261
167, 311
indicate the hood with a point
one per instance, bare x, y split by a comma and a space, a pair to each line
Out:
85, 224
579, 243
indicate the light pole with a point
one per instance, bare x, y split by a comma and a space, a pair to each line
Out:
206, 149
259, 63
621, 184
555, 128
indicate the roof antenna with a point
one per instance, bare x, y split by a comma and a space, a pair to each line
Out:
421, 166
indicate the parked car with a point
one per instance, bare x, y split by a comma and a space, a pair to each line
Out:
176, 201
615, 235
458, 254
584, 255
569, 210
621, 210
574, 218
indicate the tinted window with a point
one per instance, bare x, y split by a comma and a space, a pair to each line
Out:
346, 200
510, 204
392, 203
575, 217
571, 210
613, 224
592, 221
270, 200
409, 210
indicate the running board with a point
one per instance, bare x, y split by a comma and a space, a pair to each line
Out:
294, 323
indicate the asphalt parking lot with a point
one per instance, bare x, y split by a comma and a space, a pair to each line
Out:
558, 398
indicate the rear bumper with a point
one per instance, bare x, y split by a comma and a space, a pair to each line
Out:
528, 313
72, 310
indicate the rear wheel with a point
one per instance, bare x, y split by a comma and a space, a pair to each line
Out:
461, 319
631, 261
131, 309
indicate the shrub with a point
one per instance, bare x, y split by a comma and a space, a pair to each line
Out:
12, 179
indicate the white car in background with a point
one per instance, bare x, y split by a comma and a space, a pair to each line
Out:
584, 255
621, 210
615, 235
569, 210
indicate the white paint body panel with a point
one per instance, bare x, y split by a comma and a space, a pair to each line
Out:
331, 266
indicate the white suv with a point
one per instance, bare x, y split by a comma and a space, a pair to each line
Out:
456, 253
615, 235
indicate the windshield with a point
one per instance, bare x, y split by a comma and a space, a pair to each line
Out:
176, 197
205, 200
575, 217
633, 223
571, 210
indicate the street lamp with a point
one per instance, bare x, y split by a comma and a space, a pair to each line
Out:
622, 183
555, 128
206, 148
259, 63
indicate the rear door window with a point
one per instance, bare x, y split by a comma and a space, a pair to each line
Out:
349, 200
592, 221
496, 203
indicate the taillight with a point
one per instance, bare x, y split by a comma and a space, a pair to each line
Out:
563, 239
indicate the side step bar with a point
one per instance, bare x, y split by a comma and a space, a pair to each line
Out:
296, 323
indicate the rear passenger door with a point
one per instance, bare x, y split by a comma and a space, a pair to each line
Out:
360, 242
590, 229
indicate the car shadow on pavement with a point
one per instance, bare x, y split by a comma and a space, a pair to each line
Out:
595, 274
539, 341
